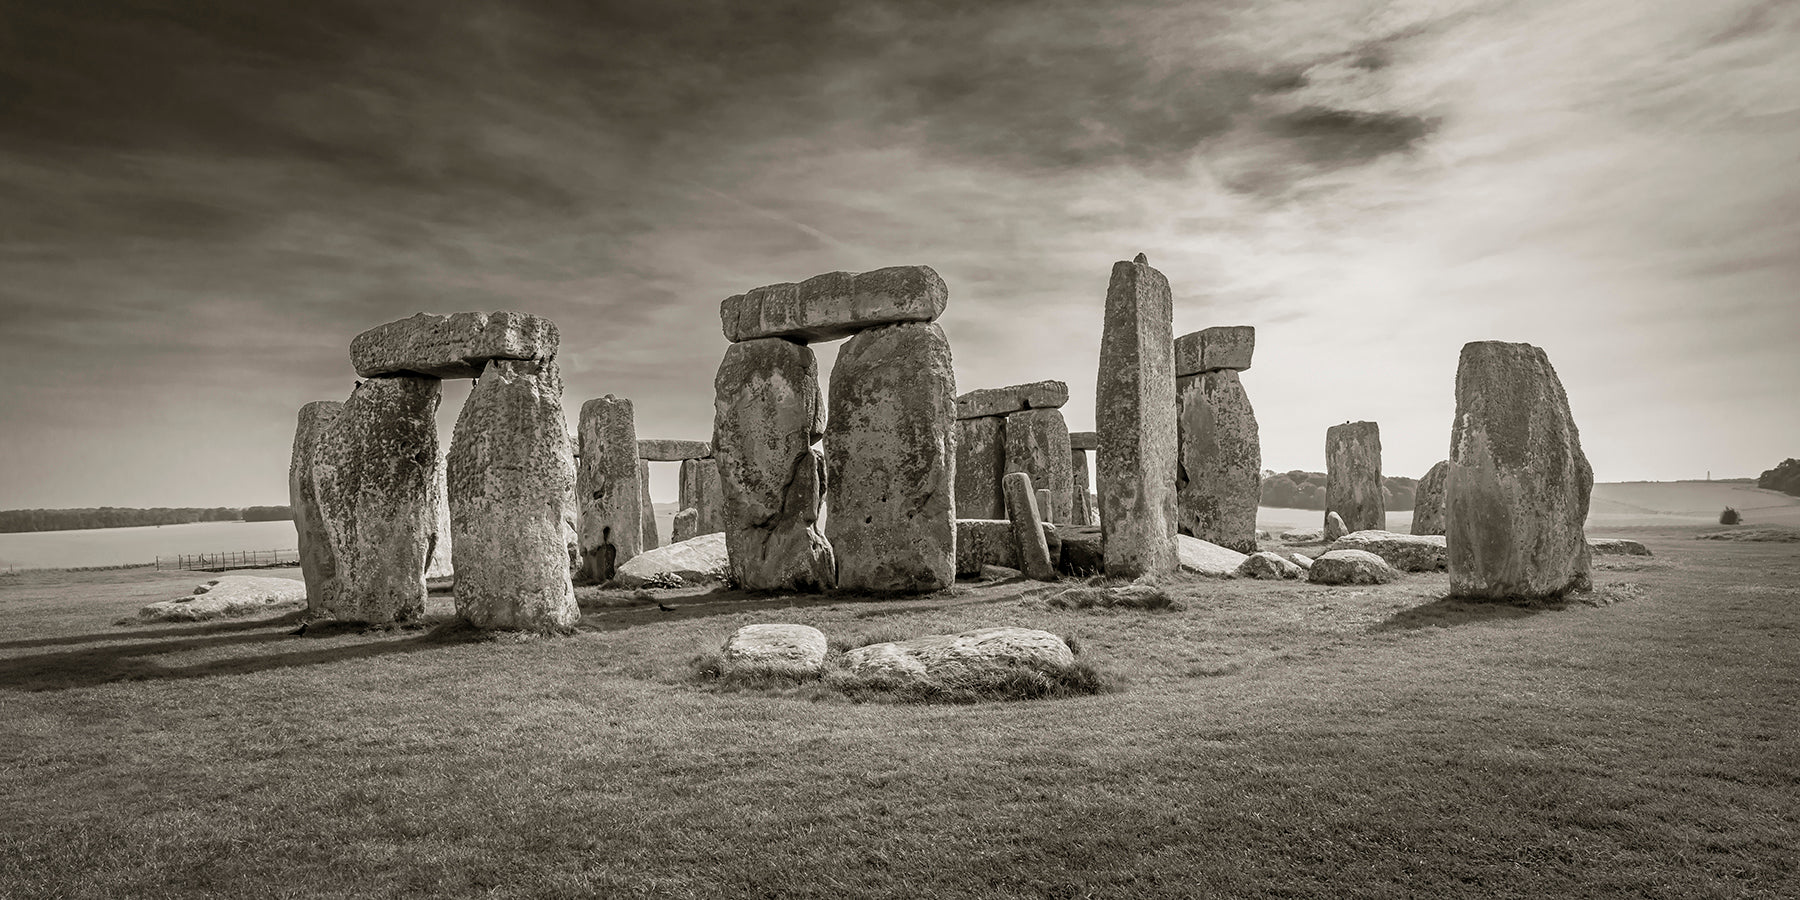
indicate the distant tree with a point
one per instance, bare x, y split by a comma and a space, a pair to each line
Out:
1784, 478
1730, 517
268, 513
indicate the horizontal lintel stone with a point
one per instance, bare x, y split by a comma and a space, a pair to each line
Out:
453, 346
835, 305
673, 450
1014, 398
1211, 349
1084, 440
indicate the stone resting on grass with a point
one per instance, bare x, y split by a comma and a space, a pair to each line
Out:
971, 659
775, 649
1351, 567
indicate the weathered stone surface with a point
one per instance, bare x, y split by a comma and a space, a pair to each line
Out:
1082, 551
1206, 558
455, 346
835, 305
700, 491
1135, 412
646, 509
1334, 526
669, 450
1351, 567
1037, 443
980, 461
1266, 565
318, 565
1517, 491
1003, 401
695, 561
686, 520
1219, 480
963, 660
1080, 513
795, 650
1303, 536
990, 542
607, 494
1616, 547
1221, 348
1301, 560
1084, 440
1428, 501
890, 454
232, 595
373, 473
512, 482
1353, 477
1406, 552
438, 563
1028, 528
766, 416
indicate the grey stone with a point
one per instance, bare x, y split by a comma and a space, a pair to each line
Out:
667, 450
1079, 511
1301, 560
1220, 477
1028, 528
1221, 348
1406, 552
608, 497
1350, 567
1044, 503
980, 461
984, 542
232, 595
1616, 547
971, 659
646, 509
318, 565
1517, 491
438, 563
890, 453
1135, 412
695, 561
686, 520
835, 305
1266, 565
455, 346
1353, 487
775, 649
1084, 440
1002, 401
767, 415
512, 484
1082, 551
1334, 526
1206, 558
1428, 501
1037, 443
701, 492
1304, 536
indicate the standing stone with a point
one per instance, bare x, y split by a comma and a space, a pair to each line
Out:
646, 509
512, 480
1220, 479
438, 564
700, 491
1517, 490
317, 564
1135, 414
766, 415
685, 527
1079, 512
1037, 443
1353, 475
1044, 504
980, 461
374, 471
1027, 528
1428, 501
606, 488
890, 451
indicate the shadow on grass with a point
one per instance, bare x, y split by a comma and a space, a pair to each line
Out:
730, 601
1448, 612
184, 629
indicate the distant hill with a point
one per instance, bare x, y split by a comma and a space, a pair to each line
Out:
22, 520
1688, 502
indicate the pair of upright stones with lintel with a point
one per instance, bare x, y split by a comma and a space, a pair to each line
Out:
365, 487
612, 488
1018, 429
1219, 476
889, 436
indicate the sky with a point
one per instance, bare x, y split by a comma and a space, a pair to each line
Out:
202, 202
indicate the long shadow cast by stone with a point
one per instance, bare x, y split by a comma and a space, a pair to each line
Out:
1449, 612
190, 629
730, 601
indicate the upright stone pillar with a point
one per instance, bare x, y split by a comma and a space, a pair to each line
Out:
766, 415
1518, 485
438, 564
1027, 527
1220, 479
1079, 512
980, 461
890, 452
512, 480
646, 509
1428, 500
701, 492
1135, 415
1037, 443
606, 488
318, 566
1353, 475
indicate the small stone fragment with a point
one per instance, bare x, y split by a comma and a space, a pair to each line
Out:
685, 522
1003, 401
1351, 567
1334, 526
455, 346
1616, 547
972, 659
1206, 558
1266, 565
696, 561
835, 305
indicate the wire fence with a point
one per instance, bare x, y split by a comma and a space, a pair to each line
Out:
230, 559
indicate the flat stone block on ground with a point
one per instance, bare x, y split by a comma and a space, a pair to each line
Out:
695, 561
775, 649
1206, 558
1351, 567
966, 660
1406, 552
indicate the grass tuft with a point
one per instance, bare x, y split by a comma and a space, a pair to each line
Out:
1149, 597
1777, 534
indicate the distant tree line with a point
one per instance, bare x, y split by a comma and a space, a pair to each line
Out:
1784, 478
1306, 490
17, 520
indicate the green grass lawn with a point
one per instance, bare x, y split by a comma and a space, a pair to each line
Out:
1270, 740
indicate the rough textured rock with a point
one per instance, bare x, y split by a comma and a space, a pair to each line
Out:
1406, 552
646, 509
1303, 536
1351, 567
318, 565
701, 492
1428, 501
1335, 527
1221, 348
1037, 443
1135, 412
991, 542
233, 595
835, 305
1353, 477
766, 416
964, 660
1082, 551
607, 495
374, 470
1028, 528
455, 346
696, 561
1616, 547
512, 481
684, 527
1206, 558
1301, 560
794, 650
1011, 399
1266, 565
666, 450
890, 455
1079, 511
980, 461
438, 562
1219, 479
1084, 440
1517, 491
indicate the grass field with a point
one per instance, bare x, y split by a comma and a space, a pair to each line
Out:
1270, 740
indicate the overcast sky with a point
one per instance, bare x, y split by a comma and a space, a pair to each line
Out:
202, 202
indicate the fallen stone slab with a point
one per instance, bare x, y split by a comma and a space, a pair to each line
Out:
696, 560
835, 305
1351, 567
233, 595
775, 649
1303, 536
1084, 440
667, 450
454, 346
1207, 558
1300, 559
1213, 349
1267, 565
1014, 398
972, 659
1406, 552
1616, 547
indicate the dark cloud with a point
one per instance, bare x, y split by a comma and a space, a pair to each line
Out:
1338, 136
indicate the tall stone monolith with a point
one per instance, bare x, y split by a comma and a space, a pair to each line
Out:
1220, 478
890, 453
700, 491
512, 488
980, 461
1080, 513
767, 413
1428, 500
318, 565
1517, 488
646, 509
607, 493
1135, 418
1353, 475
438, 564
1037, 443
